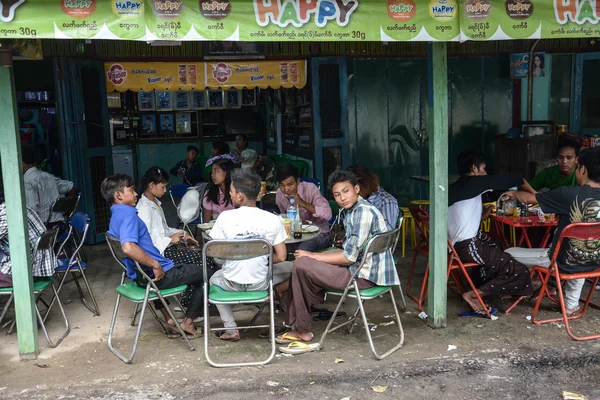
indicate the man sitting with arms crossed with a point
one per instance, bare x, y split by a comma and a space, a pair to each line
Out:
248, 222
314, 272
136, 243
572, 204
311, 203
562, 174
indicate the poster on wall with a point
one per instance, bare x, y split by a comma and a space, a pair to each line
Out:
519, 65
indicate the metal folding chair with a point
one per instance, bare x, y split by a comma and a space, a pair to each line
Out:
377, 244
268, 202
586, 232
44, 242
399, 223
137, 294
177, 192
238, 250
74, 266
65, 206
316, 182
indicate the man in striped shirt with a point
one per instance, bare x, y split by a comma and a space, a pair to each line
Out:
43, 189
313, 272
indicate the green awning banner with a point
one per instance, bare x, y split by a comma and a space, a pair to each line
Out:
299, 20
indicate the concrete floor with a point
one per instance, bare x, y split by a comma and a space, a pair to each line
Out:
83, 365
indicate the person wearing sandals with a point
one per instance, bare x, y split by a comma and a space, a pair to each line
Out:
312, 273
125, 225
571, 204
248, 222
153, 186
217, 198
499, 273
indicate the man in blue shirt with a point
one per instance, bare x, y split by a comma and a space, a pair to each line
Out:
137, 244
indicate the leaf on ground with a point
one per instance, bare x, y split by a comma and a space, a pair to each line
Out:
379, 389
339, 361
573, 396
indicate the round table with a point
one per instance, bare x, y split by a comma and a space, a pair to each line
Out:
306, 236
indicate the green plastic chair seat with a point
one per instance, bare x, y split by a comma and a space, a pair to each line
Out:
364, 293
135, 293
39, 285
396, 260
219, 295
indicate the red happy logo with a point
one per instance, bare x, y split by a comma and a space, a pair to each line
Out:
221, 72
117, 74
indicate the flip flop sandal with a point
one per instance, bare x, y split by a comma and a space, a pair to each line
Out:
325, 315
480, 312
279, 330
573, 312
286, 338
296, 348
231, 339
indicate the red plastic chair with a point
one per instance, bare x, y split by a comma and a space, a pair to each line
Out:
577, 231
455, 264
421, 219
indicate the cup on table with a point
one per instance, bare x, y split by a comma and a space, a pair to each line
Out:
287, 225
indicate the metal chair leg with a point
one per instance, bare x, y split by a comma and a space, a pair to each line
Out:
135, 314
6, 307
368, 331
95, 310
43, 325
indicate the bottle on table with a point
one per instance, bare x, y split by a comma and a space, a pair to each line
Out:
297, 225
291, 214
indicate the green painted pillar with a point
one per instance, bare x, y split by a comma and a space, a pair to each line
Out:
438, 183
14, 192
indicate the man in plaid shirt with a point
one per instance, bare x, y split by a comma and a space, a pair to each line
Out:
44, 262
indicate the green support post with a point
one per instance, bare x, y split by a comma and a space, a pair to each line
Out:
18, 235
438, 183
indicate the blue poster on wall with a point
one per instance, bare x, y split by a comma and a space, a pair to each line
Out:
519, 65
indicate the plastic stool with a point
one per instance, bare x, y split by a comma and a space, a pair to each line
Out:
408, 220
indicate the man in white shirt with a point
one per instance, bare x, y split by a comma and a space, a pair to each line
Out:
248, 222
42, 189
500, 274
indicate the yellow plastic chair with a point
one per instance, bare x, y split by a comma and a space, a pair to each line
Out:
486, 225
408, 227
422, 204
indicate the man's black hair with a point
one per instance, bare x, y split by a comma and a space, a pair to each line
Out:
113, 184
286, 170
247, 182
191, 147
339, 176
27, 155
590, 159
467, 159
568, 142
221, 146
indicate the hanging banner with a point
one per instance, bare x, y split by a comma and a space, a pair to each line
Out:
260, 74
299, 20
154, 76
197, 76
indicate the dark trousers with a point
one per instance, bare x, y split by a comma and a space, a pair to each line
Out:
185, 274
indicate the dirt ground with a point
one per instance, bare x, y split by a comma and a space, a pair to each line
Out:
506, 358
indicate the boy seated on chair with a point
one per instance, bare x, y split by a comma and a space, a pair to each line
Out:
571, 204
311, 203
500, 274
248, 222
44, 263
127, 226
315, 272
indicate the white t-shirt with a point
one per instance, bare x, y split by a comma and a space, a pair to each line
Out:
464, 219
248, 223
